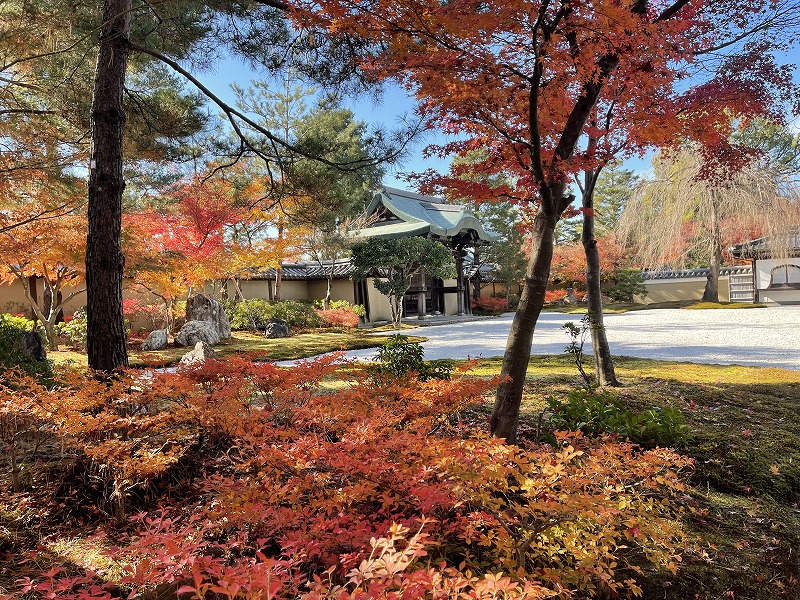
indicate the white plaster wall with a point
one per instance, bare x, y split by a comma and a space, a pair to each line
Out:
341, 289
764, 269
379, 308
673, 290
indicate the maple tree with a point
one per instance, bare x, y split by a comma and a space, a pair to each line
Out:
522, 81
49, 250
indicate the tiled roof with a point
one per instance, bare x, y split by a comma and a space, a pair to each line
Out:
772, 246
406, 213
651, 274
307, 270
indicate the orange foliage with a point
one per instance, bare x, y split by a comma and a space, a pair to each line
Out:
569, 262
314, 492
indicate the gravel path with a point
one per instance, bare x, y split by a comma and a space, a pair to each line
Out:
764, 337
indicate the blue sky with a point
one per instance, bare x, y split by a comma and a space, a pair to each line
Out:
393, 105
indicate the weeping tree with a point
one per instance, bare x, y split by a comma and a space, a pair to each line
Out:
689, 212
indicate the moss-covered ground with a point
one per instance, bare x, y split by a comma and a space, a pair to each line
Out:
300, 345
742, 512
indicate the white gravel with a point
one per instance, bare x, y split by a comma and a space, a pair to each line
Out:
764, 337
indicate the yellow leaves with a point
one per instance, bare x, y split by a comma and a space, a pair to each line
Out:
774, 470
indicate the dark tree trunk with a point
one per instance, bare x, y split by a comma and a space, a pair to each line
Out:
603, 362
711, 292
105, 343
505, 416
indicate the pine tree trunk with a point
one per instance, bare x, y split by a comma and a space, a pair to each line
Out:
711, 292
105, 342
505, 416
603, 362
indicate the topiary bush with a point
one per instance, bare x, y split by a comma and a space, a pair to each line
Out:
299, 315
630, 283
398, 358
491, 305
253, 315
74, 329
249, 315
338, 318
356, 309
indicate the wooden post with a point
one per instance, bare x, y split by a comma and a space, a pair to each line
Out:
459, 258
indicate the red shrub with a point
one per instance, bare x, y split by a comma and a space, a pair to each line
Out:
313, 491
551, 296
490, 304
338, 317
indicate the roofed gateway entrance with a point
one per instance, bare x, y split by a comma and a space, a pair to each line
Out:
397, 213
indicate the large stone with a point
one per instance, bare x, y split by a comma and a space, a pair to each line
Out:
200, 352
157, 340
277, 328
202, 308
31, 344
571, 298
197, 331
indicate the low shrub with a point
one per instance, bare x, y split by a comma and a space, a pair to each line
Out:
357, 309
398, 358
490, 304
12, 327
249, 315
299, 315
303, 491
74, 329
337, 317
596, 412
552, 296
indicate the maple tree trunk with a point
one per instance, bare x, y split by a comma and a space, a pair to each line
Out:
278, 278
711, 291
105, 342
505, 416
603, 362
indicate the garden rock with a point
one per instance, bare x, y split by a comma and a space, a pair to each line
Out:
30, 343
157, 340
571, 297
199, 353
277, 328
197, 331
202, 308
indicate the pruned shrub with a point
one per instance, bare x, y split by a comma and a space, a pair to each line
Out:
399, 358
553, 296
74, 329
12, 327
492, 305
337, 317
253, 315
